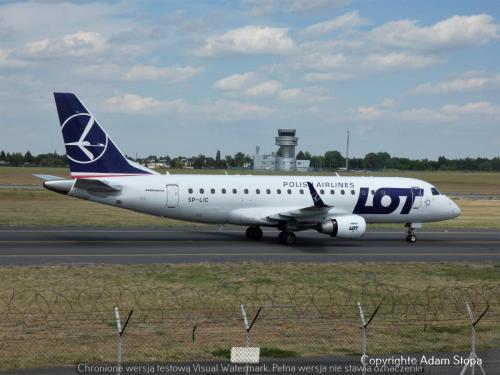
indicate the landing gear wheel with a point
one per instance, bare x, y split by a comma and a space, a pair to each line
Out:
254, 233
411, 238
287, 238
410, 235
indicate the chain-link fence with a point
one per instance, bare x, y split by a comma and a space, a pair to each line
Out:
75, 330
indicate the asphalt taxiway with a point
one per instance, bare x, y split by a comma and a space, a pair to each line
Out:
210, 244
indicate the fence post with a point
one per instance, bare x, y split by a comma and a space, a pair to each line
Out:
245, 325
473, 355
364, 326
119, 340
363, 336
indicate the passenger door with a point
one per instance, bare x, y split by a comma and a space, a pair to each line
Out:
172, 196
417, 197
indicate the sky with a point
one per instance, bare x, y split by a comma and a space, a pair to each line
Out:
416, 79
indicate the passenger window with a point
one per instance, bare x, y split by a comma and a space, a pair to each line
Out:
372, 192
202, 191
246, 191
190, 191
212, 191
382, 192
223, 191
235, 191
268, 191
289, 191
353, 192
301, 191
322, 192
257, 191
278, 191
342, 192
332, 192
435, 191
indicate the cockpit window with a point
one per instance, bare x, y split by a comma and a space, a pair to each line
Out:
435, 191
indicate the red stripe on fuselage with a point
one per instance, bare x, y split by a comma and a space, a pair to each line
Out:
109, 175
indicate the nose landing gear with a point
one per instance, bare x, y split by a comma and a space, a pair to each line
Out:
410, 235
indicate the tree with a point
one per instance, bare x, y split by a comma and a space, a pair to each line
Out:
199, 162
300, 155
2, 155
217, 156
28, 158
16, 159
334, 159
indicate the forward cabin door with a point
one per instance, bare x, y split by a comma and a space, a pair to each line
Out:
172, 196
417, 197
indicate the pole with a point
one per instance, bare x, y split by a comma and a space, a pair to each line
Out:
347, 153
119, 341
245, 323
473, 355
247, 332
363, 337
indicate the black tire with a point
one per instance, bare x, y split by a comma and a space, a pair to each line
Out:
287, 238
411, 238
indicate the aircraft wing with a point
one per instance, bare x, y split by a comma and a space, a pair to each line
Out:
301, 214
318, 210
94, 185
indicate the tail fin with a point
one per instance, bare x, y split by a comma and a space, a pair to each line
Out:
90, 151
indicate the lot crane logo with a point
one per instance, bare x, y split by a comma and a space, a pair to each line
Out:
84, 139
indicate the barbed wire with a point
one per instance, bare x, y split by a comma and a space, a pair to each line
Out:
297, 302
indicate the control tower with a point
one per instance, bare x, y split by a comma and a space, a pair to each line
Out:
285, 157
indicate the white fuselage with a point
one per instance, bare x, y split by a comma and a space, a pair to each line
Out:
252, 200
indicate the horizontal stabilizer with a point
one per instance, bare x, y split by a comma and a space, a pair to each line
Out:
94, 185
48, 177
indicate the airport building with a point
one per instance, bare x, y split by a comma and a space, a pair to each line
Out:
284, 159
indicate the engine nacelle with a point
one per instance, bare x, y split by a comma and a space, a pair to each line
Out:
348, 226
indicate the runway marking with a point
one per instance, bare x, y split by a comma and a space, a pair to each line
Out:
236, 254
201, 230
166, 241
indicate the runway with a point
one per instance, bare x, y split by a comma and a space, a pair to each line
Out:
188, 245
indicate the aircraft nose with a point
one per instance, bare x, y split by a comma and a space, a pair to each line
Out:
455, 210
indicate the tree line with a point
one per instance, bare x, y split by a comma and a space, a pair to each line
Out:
330, 160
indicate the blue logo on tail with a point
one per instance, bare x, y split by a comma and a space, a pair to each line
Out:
88, 147
85, 142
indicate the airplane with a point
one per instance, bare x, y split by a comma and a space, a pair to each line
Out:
338, 206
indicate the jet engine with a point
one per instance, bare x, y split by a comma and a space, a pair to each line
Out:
348, 226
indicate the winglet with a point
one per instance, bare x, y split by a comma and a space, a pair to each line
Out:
318, 202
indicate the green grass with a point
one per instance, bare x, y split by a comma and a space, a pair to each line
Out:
314, 310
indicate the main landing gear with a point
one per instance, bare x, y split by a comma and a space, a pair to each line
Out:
254, 233
287, 238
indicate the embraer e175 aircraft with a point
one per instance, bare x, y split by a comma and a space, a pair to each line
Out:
339, 206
